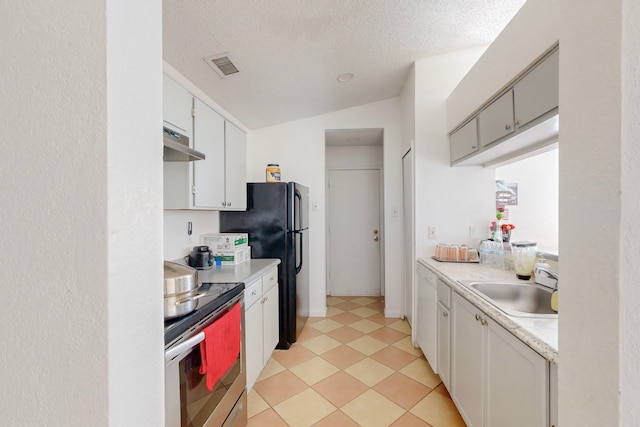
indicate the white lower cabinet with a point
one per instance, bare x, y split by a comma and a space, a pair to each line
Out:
496, 379
427, 318
261, 323
444, 345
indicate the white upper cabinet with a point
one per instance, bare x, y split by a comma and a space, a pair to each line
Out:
496, 121
523, 118
464, 141
176, 106
537, 92
219, 181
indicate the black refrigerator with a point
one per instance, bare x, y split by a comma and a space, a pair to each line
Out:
277, 220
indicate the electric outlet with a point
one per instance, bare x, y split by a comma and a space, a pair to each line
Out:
433, 232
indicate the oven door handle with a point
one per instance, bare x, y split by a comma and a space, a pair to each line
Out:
190, 343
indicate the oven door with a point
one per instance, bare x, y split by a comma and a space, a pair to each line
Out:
188, 402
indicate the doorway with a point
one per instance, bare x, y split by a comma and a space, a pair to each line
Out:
354, 200
407, 238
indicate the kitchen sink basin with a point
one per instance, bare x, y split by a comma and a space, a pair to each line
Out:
515, 299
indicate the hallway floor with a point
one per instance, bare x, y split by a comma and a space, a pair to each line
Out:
352, 368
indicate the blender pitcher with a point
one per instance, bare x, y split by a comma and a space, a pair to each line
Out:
524, 257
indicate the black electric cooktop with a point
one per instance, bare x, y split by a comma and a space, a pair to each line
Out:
217, 294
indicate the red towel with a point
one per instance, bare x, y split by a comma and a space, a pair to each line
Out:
221, 346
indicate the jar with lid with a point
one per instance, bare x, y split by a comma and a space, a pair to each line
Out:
524, 257
273, 172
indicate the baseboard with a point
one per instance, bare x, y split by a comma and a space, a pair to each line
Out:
392, 314
318, 313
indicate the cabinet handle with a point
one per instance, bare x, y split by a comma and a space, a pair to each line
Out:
507, 127
473, 147
483, 322
254, 292
516, 123
477, 317
229, 204
445, 314
224, 203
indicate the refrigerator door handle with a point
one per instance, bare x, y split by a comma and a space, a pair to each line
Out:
299, 266
298, 195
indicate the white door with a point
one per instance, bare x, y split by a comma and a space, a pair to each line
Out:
354, 232
407, 239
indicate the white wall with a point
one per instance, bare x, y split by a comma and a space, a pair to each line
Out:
80, 303
599, 378
177, 243
532, 31
299, 148
451, 199
536, 214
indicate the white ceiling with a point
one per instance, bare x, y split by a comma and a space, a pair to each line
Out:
290, 52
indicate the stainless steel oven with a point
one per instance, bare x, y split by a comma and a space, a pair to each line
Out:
188, 401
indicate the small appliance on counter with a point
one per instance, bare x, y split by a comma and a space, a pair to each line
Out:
524, 256
201, 258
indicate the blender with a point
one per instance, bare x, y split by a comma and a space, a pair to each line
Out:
524, 257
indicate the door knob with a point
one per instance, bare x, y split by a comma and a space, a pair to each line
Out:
375, 231
375, 238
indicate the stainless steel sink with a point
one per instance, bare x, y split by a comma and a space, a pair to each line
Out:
516, 299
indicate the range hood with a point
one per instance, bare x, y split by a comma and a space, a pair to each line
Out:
176, 147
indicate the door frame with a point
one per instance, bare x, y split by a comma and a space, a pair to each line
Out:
411, 256
380, 170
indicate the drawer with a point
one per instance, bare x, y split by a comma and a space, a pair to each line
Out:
444, 294
252, 293
269, 280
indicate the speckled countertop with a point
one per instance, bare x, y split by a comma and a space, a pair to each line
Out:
538, 333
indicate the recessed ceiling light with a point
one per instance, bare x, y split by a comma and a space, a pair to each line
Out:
345, 77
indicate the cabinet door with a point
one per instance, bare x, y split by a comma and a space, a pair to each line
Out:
235, 167
444, 337
517, 381
176, 106
553, 395
270, 322
496, 120
208, 174
427, 322
467, 361
253, 343
465, 140
537, 92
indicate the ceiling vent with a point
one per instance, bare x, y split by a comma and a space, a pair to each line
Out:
222, 64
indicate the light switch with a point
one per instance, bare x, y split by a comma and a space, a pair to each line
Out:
433, 232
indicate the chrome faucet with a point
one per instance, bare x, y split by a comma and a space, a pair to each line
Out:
546, 277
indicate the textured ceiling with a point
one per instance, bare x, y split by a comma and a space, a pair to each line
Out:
290, 52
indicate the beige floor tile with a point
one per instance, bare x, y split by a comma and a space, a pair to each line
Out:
420, 371
340, 388
255, 404
343, 356
371, 409
393, 357
314, 370
272, 367
326, 325
365, 326
378, 306
279, 387
346, 318
294, 356
304, 409
364, 300
363, 312
405, 345
337, 419
308, 333
410, 420
387, 335
347, 305
367, 345
321, 344
334, 300
312, 320
333, 311
345, 334
438, 411
267, 418
402, 390
443, 390
401, 326
379, 318
369, 371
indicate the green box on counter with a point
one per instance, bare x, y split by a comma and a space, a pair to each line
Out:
225, 242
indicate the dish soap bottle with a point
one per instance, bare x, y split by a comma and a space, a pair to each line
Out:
540, 264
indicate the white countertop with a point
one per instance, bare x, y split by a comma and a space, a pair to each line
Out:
538, 333
245, 272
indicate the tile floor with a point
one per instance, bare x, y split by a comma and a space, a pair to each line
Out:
352, 368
